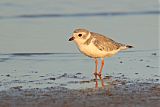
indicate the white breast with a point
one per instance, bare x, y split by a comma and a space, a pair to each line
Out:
92, 51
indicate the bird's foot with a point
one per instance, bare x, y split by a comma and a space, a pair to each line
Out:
98, 74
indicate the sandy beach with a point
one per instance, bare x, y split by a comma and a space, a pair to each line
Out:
39, 67
125, 85
133, 95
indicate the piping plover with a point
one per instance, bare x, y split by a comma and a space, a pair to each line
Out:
96, 45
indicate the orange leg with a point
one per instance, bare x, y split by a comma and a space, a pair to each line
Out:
96, 72
100, 73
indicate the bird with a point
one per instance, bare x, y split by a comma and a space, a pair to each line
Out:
95, 45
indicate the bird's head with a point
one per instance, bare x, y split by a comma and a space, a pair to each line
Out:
80, 36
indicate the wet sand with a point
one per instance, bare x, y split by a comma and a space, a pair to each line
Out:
119, 95
31, 80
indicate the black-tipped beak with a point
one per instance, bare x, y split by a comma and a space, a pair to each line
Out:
72, 38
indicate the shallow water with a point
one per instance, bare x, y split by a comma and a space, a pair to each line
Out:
45, 25
34, 70
36, 53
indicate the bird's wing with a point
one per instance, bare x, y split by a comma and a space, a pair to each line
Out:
105, 44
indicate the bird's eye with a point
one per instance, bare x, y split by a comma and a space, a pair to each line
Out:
79, 35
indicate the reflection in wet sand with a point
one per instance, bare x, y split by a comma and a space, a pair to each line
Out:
101, 80
106, 83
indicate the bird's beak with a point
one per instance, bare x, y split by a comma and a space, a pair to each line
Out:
72, 38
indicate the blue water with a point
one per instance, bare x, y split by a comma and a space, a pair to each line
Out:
45, 25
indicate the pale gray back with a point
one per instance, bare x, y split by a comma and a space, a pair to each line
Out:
105, 43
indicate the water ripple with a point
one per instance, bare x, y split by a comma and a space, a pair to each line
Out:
101, 14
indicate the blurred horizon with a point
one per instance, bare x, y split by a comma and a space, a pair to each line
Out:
44, 26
